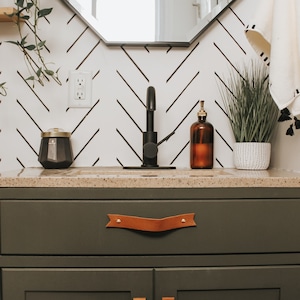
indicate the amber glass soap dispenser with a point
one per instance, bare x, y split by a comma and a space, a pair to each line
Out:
202, 142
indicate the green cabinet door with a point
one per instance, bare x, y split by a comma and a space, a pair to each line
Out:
77, 284
232, 283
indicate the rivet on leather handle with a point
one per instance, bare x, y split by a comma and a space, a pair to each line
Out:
149, 224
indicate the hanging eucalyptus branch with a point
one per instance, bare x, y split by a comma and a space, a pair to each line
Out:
29, 11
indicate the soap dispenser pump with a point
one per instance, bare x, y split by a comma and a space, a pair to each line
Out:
201, 142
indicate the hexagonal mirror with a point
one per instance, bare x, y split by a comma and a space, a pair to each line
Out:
148, 22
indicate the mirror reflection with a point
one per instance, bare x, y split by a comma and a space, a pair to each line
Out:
144, 22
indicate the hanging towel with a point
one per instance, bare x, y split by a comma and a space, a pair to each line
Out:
274, 33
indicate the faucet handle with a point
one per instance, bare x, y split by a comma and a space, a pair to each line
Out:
166, 138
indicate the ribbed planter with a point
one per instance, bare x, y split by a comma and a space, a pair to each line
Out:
252, 156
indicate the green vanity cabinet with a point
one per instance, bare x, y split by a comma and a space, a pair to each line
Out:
55, 244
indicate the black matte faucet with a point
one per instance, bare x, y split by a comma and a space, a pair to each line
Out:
150, 136
150, 144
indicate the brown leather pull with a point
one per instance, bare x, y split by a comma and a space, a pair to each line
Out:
151, 225
168, 298
138, 298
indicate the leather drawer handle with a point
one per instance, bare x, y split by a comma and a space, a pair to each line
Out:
151, 225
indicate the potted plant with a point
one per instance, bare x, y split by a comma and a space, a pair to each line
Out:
252, 114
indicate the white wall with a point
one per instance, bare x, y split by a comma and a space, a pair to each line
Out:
122, 76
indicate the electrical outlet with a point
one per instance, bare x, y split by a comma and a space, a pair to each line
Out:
80, 89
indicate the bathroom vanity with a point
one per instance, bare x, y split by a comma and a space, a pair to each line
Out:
111, 234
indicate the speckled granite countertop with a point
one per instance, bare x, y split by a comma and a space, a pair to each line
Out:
114, 177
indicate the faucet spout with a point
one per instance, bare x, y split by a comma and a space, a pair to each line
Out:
151, 107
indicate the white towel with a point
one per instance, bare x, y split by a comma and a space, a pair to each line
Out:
274, 33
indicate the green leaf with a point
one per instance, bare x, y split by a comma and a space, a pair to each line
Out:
30, 47
39, 72
29, 5
24, 17
44, 12
41, 44
49, 72
19, 3
13, 42
23, 41
30, 78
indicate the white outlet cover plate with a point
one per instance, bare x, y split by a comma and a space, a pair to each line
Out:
87, 101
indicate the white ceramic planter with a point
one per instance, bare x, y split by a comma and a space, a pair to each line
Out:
252, 156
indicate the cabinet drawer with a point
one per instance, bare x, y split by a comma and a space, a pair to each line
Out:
79, 227
76, 284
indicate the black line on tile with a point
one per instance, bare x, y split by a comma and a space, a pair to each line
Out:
221, 165
96, 161
180, 152
131, 118
86, 57
189, 112
122, 136
23, 137
18, 160
96, 74
169, 49
236, 16
226, 86
33, 91
76, 40
223, 54
119, 162
230, 64
231, 36
31, 118
217, 103
97, 131
131, 88
182, 91
71, 19
183, 62
131, 59
90, 110
217, 130
219, 134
